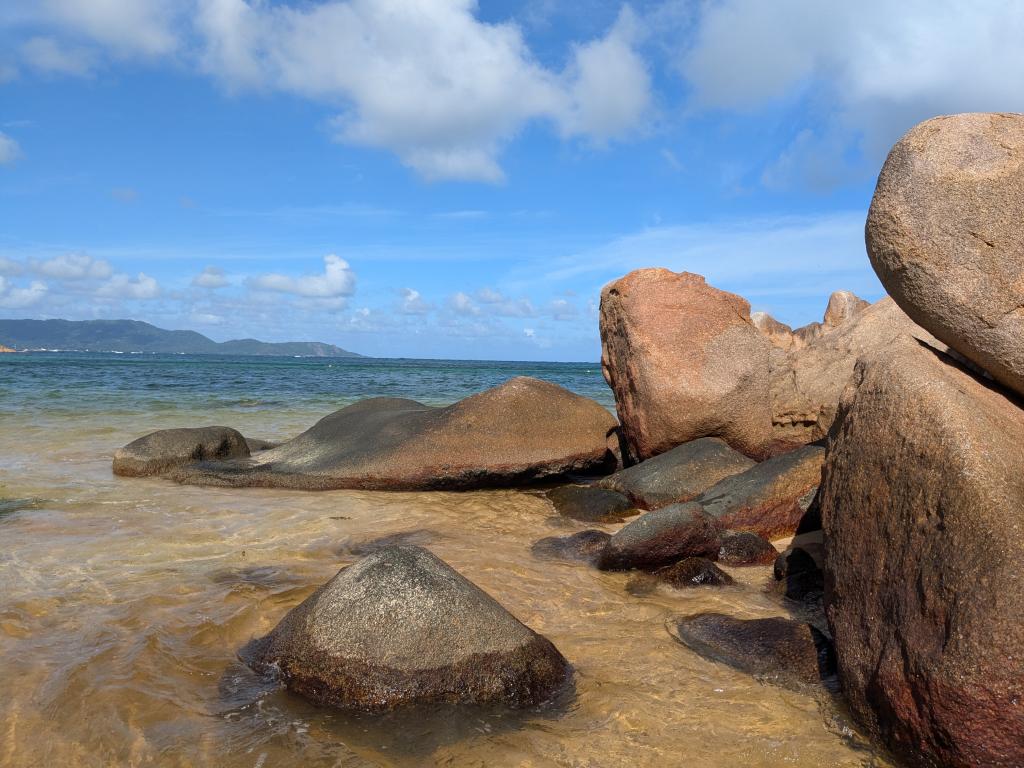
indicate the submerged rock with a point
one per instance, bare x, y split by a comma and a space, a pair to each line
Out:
746, 548
693, 572
523, 431
770, 498
684, 361
585, 546
945, 234
162, 451
678, 475
782, 651
591, 504
401, 627
921, 498
686, 574
662, 537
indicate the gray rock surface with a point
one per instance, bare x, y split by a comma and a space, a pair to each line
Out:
770, 498
401, 627
678, 475
662, 537
521, 432
161, 451
591, 504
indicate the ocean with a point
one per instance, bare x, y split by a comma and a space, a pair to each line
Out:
124, 602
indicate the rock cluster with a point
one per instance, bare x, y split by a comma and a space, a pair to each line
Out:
923, 487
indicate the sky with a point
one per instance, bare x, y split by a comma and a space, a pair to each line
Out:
458, 179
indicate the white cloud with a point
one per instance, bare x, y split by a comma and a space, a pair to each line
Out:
609, 86
73, 266
10, 267
497, 304
127, 27
337, 281
427, 81
9, 149
206, 318
562, 309
126, 287
45, 54
20, 298
461, 304
412, 303
210, 277
874, 67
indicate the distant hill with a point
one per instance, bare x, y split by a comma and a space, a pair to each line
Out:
136, 336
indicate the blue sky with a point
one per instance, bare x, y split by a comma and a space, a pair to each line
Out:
458, 179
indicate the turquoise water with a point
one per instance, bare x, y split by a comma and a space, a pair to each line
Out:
53, 381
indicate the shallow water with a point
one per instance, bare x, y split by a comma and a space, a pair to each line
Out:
123, 603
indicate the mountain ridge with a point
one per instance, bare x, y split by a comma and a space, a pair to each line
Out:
139, 336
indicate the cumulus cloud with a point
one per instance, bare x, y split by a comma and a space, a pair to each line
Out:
462, 304
72, 266
141, 287
45, 54
430, 82
337, 281
12, 297
9, 149
874, 69
562, 309
126, 27
412, 303
609, 85
206, 318
210, 277
499, 305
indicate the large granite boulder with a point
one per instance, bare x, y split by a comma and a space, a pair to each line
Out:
770, 498
662, 537
684, 361
680, 474
806, 383
523, 431
166, 449
401, 627
922, 499
945, 234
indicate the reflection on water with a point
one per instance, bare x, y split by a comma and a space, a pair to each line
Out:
124, 604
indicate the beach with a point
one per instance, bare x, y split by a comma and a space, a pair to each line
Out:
124, 602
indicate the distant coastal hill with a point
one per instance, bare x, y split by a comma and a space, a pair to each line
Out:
136, 336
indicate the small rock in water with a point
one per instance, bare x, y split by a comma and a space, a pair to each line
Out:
161, 451
591, 504
693, 572
789, 653
660, 538
401, 627
746, 548
585, 546
420, 537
